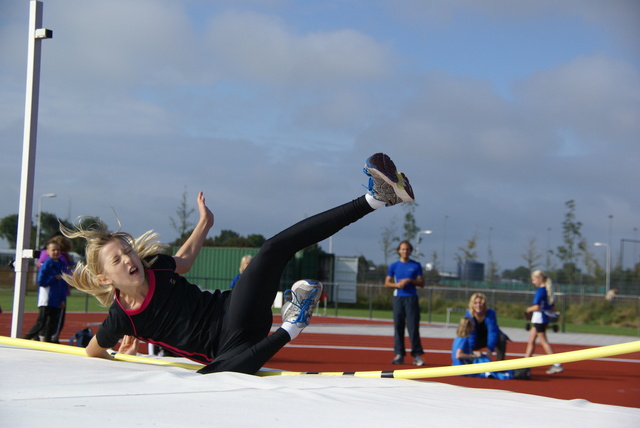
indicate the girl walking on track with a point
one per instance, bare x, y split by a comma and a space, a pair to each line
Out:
542, 306
149, 300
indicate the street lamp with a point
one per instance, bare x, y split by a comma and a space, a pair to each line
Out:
46, 195
426, 232
608, 262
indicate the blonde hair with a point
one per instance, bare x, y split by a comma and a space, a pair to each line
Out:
97, 235
548, 284
463, 327
244, 262
474, 296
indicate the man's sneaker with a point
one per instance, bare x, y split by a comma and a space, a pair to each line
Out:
556, 368
300, 301
417, 361
398, 359
386, 184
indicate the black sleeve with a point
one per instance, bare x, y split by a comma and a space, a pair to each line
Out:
114, 328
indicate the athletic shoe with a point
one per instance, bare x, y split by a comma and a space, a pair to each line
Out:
399, 359
418, 361
300, 301
556, 368
386, 184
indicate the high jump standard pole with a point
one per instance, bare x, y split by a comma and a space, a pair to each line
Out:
21, 264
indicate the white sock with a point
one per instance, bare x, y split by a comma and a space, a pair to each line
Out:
373, 202
292, 328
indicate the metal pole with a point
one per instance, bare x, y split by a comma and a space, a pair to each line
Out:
608, 269
607, 265
21, 265
47, 195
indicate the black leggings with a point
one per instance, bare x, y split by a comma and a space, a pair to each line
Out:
245, 344
46, 325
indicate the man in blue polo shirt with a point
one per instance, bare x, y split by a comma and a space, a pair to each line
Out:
404, 276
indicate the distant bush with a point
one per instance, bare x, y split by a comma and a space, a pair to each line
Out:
603, 313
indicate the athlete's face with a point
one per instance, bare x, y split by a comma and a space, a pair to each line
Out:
537, 280
121, 265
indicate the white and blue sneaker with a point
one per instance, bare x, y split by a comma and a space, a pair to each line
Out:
386, 184
300, 302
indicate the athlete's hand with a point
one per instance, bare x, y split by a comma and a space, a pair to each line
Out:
206, 215
129, 345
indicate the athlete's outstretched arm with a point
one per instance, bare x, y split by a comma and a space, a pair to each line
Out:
97, 351
187, 254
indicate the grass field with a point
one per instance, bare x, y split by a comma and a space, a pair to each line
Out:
80, 302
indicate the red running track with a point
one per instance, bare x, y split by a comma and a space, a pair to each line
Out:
613, 381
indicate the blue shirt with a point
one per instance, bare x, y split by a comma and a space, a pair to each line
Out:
460, 343
541, 298
399, 270
56, 289
493, 332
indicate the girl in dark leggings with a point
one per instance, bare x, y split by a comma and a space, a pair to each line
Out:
226, 331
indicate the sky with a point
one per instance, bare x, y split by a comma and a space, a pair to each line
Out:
499, 112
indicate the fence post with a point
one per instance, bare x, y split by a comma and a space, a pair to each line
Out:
335, 298
370, 301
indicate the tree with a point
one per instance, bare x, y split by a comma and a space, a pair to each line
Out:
468, 253
9, 230
531, 254
226, 239
256, 240
592, 266
182, 225
388, 239
229, 238
493, 270
521, 273
570, 252
49, 227
411, 229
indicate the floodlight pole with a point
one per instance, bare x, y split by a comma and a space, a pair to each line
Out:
608, 264
21, 264
426, 232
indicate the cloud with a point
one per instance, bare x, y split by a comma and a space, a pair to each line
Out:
262, 48
271, 110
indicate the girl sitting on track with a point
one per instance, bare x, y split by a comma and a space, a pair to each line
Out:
461, 352
227, 331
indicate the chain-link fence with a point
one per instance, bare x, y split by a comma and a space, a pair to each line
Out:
574, 307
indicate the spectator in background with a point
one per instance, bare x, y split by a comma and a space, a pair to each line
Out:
485, 332
244, 262
67, 259
404, 276
611, 295
51, 295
